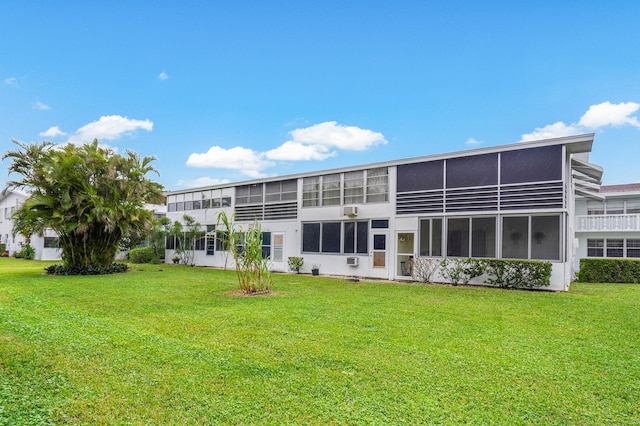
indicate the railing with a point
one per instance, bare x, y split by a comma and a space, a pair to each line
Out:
608, 222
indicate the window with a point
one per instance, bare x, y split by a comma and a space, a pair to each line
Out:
378, 185
170, 242
615, 206
431, 237
595, 247
420, 176
211, 240
633, 248
188, 205
515, 237
595, 207
171, 207
532, 237
331, 190
331, 237
615, 247
51, 242
531, 165
458, 237
249, 194
197, 205
545, 237
281, 191
356, 237
222, 241
476, 170
311, 191
483, 237
380, 224
311, 237
200, 241
180, 206
633, 206
266, 245
206, 204
353, 187
226, 201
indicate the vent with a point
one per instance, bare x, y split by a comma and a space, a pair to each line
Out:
352, 261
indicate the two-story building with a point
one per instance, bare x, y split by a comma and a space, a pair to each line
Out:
46, 246
512, 202
608, 222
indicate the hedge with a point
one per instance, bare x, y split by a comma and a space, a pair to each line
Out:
609, 270
143, 255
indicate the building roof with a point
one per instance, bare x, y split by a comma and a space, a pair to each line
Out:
578, 144
626, 187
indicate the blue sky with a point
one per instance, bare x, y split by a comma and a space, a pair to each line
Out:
229, 91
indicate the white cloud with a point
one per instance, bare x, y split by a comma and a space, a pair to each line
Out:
596, 117
163, 76
11, 81
247, 161
551, 131
331, 134
109, 127
473, 142
296, 151
52, 132
41, 106
608, 114
310, 143
201, 181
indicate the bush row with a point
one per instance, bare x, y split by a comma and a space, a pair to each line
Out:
609, 270
86, 270
504, 273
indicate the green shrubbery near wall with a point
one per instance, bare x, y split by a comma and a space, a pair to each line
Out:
505, 273
608, 270
143, 255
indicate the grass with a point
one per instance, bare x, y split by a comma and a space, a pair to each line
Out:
168, 344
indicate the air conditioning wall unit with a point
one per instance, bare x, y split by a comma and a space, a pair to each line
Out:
352, 261
350, 210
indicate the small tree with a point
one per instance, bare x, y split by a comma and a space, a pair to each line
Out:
252, 268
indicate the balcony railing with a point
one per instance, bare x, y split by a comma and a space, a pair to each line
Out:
608, 222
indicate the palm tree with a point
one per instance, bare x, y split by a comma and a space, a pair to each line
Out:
90, 196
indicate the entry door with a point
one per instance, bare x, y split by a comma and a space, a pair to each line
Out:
405, 254
379, 252
277, 251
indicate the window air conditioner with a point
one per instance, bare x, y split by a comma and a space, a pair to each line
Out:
350, 211
352, 261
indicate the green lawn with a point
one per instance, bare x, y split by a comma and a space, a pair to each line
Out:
169, 344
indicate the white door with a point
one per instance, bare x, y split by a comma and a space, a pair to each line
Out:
405, 254
379, 254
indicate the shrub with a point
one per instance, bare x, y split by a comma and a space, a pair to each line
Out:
143, 255
26, 252
508, 273
295, 263
86, 270
461, 270
609, 270
424, 268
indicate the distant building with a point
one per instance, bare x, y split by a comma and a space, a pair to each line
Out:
608, 222
46, 246
511, 202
